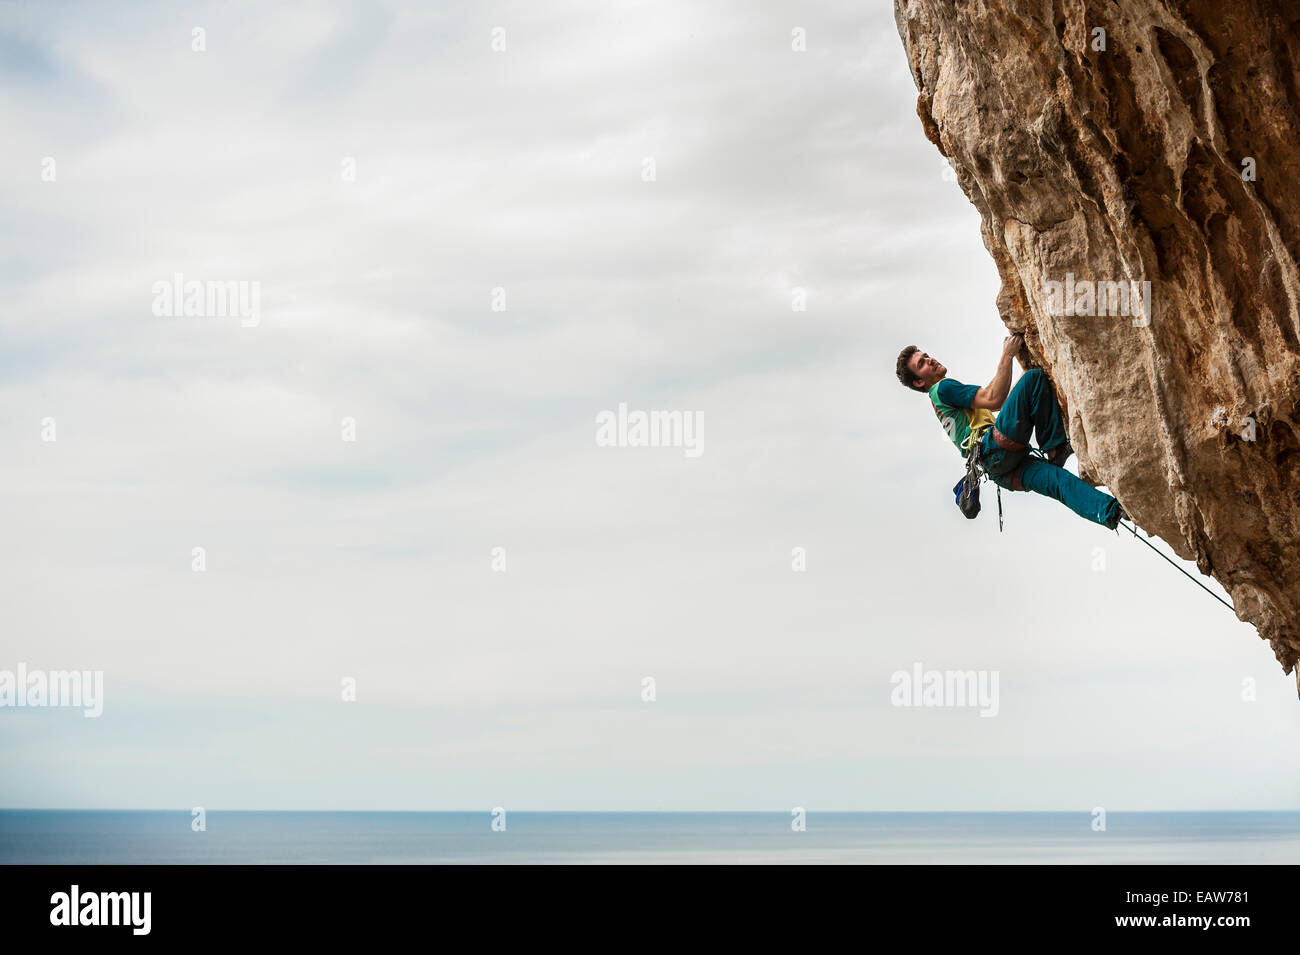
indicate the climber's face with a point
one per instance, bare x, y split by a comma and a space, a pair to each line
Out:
927, 369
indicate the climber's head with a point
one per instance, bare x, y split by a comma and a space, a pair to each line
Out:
917, 370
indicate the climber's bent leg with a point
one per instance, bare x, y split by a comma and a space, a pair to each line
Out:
1031, 407
1076, 494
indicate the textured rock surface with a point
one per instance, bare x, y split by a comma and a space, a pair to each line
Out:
1126, 164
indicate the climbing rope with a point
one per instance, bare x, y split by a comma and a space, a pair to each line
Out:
1133, 528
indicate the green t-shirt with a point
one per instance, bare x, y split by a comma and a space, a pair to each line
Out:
952, 403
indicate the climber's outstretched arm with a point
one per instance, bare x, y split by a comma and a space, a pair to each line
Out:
994, 393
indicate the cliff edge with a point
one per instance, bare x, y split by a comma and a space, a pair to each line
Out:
1136, 165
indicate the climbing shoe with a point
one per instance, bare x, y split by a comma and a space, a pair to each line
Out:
1060, 454
1119, 515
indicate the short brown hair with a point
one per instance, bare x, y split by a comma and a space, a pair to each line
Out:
905, 375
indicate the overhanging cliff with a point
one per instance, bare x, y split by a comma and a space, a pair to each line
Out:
1112, 143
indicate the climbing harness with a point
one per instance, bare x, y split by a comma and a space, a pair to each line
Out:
1133, 527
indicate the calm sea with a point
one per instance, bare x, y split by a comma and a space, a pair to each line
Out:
165, 837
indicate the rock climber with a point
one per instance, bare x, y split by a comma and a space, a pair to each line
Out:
967, 415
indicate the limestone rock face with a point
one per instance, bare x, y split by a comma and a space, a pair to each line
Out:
1119, 141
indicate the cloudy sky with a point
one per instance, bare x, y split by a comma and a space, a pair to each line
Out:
517, 176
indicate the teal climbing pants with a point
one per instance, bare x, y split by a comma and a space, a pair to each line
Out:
1031, 409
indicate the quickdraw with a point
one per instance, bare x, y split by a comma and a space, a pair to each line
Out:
967, 490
